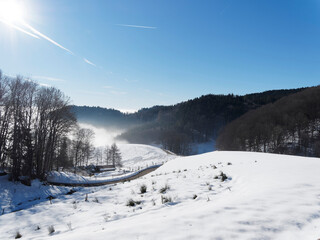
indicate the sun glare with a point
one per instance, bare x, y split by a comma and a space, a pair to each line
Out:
11, 11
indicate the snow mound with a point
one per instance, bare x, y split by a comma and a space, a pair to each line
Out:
264, 196
16, 196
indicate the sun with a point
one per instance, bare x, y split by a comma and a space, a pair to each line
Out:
11, 11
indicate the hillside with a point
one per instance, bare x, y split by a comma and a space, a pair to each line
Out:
265, 196
290, 125
176, 127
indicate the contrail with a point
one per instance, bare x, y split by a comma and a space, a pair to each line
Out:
47, 38
87, 61
136, 26
20, 29
37, 34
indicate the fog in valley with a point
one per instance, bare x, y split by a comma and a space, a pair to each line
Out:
104, 136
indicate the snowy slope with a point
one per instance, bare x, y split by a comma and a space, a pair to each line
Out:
139, 155
136, 156
16, 196
266, 196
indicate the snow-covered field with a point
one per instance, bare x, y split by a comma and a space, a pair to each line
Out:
266, 196
141, 156
135, 157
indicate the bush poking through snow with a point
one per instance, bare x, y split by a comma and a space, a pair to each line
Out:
18, 235
69, 226
165, 199
86, 199
143, 188
51, 229
106, 217
96, 200
132, 203
37, 228
210, 188
72, 191
223, 177
164, 189
194, 196
229, 163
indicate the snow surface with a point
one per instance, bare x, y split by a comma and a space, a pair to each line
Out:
141, 156
266, 196
137, 156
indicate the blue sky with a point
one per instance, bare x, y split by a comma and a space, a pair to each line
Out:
182, 49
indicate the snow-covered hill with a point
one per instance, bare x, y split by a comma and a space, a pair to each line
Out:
140, 156
265, 196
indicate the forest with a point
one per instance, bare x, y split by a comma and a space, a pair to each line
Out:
175, 127
38, 130
290, 125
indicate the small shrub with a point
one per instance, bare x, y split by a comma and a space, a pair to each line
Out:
165, 199
72, 191
106, 217
18, 235
74, 205
132, 203
194, 196
229, 163
223, 177
209, 187
37, 228
51, 198
143, 189
86, 198
214, 167
96, 200
69, 226
153, 202
164, 189
154, 182
51, 229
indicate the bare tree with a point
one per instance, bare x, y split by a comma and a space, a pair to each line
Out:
82, 146
33, 121
115, 155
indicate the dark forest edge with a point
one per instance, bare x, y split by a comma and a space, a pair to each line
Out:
290, 125
177, 126
38, 131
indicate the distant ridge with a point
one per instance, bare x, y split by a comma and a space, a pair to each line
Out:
291, 125
176, 126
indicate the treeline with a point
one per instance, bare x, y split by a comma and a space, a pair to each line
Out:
196, 120
290, 125
38, 131
176, 127
103, 117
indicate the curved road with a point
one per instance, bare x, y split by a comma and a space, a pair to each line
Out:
110, 181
